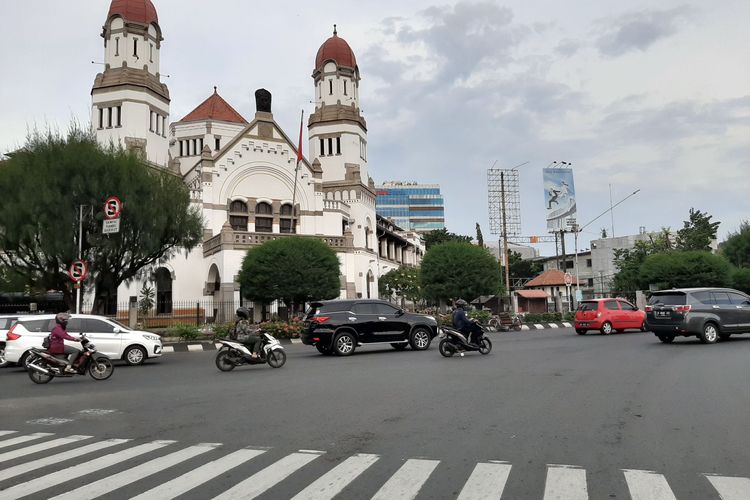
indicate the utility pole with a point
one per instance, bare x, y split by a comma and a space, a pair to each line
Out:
505, 240
80, 251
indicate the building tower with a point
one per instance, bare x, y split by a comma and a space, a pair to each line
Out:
129, 103
337, 130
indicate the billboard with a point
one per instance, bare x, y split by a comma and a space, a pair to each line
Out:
559, 199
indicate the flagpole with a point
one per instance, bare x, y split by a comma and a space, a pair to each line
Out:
296, 169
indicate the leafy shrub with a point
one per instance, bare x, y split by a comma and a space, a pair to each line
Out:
282, 329
445, 319
221, 330
184, 332
569, 316
481, 316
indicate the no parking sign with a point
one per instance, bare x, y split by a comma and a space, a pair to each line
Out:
78, 271
112, 211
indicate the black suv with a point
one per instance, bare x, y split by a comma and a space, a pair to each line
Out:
707, 313
339, 326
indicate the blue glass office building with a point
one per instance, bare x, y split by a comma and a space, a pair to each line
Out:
412, 206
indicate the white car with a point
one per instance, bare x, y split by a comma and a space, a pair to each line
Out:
111, 338
6, 321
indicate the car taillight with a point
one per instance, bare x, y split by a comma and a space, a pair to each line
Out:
683, 309
11, 335
649, 309
321, 319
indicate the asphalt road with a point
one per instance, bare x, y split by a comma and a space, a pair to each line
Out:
600, 405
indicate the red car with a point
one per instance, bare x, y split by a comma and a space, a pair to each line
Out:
606, 315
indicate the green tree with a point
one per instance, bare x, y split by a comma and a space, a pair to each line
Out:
685, 269
736, 248
741, 279
455, 270
146, 302
439, 236
697, 233
628, 261
480, 238
293, 269
45, 182
404, 282
523, 268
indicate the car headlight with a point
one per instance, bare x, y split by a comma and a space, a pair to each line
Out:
152, 338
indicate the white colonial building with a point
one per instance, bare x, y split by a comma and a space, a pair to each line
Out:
241, 173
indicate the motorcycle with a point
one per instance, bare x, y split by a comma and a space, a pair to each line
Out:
453, 342
43, 366
233, 354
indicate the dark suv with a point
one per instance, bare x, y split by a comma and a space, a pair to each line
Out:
707, 313
339, 326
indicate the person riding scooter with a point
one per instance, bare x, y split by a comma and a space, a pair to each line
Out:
243, 332
58, 336
465, 325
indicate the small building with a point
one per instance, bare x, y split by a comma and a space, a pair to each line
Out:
546, 293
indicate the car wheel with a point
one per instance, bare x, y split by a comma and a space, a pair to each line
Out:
667, 339
323, 349
445, 348
420, 339
606, 328
134, 355
344, 344
710, 333
399, 347
580, 331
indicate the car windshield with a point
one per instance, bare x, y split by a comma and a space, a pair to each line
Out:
668, 299
117, 323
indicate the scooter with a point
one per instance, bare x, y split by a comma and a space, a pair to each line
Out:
233, 354
453, 342
43, 366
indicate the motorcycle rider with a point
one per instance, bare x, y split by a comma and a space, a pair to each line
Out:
58, 336
464, 324
243, 332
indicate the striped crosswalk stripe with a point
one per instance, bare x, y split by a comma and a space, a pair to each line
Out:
202, 474
565, 483
22, 452
647, 485
487, 480
24, 439
407, 481
330, 484
731, 488
79, 470
262, 481
5, 433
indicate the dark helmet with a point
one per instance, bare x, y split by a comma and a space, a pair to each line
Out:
461, 303
62, 318
243, 313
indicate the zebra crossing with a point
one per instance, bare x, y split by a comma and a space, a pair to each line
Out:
75, 467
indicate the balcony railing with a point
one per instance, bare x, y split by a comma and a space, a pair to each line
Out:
238, 240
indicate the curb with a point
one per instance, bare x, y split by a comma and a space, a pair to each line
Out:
539, 326
207, 346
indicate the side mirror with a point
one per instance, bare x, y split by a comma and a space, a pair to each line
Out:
400, 312
116, 330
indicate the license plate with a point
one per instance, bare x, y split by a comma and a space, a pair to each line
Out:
584, 323
662, 314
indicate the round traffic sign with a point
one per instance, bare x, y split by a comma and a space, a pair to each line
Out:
112, 207
568, 279
78, 271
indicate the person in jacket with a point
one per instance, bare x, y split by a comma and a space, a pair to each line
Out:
243, 332
58, 336
463, 324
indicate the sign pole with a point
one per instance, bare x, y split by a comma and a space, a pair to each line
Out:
80, 251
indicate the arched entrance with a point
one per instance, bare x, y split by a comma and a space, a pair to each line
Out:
163, 279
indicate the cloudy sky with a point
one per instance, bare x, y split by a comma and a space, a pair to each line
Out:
637, 95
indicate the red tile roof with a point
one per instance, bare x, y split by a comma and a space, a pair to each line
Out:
552, 277
335, 49
214, 108
532, 294
141, 11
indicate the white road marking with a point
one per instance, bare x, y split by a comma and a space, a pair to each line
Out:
262, 481
196, 477
5, 433
486, 481
78, 470
565, 482
330, 484
9, 455
195, 347
407, 481
730, 488
23, 439
538, 326
167, 348
553, 325
96, 412
50, 421
116, 481
567, 325
647, 485
525, 327
12, 472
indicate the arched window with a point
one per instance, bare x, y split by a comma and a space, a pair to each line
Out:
286, 220
238, 215
263, 218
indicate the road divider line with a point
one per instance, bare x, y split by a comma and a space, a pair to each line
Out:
487, 480
167, 348
647, 485
565, 482
196, 477
78, 470
9, 455
730, 488
333, 482
24, 439
262, 481
195, 347
407, 481
126, 477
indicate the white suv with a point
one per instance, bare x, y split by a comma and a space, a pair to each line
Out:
111, 338
6, 321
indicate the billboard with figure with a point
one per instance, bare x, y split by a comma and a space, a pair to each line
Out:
559, 198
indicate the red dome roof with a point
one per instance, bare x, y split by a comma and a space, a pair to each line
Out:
140, 11
335, 49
